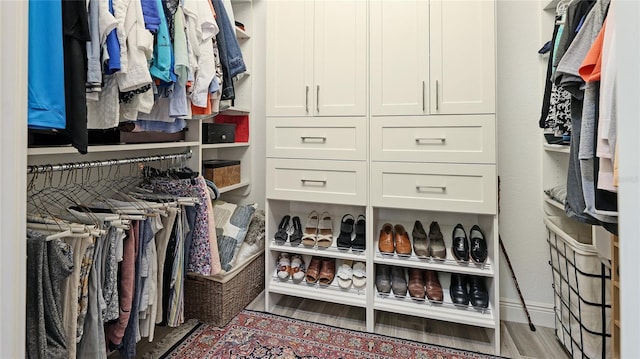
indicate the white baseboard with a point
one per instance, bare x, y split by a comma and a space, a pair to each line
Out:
541, 313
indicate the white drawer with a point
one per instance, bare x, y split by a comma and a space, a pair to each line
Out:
435, 187
320, 138
341, 182
466, 139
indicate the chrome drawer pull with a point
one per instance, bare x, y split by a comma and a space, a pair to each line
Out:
441, 139
442, 188
437, 95
304, 181
319, 138
306, 99
423, 101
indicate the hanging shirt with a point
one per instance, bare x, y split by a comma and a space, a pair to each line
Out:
46, 66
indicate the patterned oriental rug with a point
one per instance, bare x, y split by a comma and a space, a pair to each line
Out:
261, 335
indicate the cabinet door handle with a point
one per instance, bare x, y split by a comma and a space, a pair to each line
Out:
437, 95
305, 181
320, 138
306, 99
318, 98
419, 140
442, 188
423, 91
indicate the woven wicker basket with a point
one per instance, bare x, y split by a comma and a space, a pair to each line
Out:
216, 300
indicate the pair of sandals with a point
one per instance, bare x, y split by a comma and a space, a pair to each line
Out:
291, 267
349, 225
318, 230
321, 270
291, 232
350, 273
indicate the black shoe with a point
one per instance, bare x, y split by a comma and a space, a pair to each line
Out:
296, 237
281, 235
398, 281
346, 228
359, 243
383, 278
458, 289
459, 243
478, 294
478, 250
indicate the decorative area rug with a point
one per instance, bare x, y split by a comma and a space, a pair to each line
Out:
261, 335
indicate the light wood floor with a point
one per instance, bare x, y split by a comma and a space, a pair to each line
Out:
518, 341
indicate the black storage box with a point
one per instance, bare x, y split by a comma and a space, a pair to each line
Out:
218, 133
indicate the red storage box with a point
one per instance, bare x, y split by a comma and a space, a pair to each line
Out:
242, 125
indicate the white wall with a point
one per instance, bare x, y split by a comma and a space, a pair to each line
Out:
520, 80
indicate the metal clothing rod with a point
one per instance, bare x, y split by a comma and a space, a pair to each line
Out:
105, 163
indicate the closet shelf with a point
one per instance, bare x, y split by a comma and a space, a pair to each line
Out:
449, 265
556, 148
446, 311
331, 293
332, 252
234, 187
224, 145
111, 148
235, 111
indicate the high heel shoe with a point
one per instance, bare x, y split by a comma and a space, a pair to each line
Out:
281, 234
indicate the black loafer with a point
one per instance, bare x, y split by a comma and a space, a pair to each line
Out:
478, 294
459, 243
383, 278
478, 250
458, 289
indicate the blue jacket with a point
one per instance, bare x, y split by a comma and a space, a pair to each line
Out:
230, 54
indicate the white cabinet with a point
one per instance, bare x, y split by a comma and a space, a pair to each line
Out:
419, 144
399, 57
432, 57
462, 57
316, 58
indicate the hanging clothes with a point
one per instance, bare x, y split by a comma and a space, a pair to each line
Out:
49, 264
46, 97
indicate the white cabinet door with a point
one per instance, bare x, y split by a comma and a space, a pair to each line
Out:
289, 58
462, 56
399, 57
340, 58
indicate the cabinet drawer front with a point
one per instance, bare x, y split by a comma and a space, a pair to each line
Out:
317, 138
341, 182
435, 187
469, 139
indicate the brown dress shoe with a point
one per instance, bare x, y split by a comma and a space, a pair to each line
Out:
327, 271
314, 270
434, 289
416, 283
403, 244
385, 244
